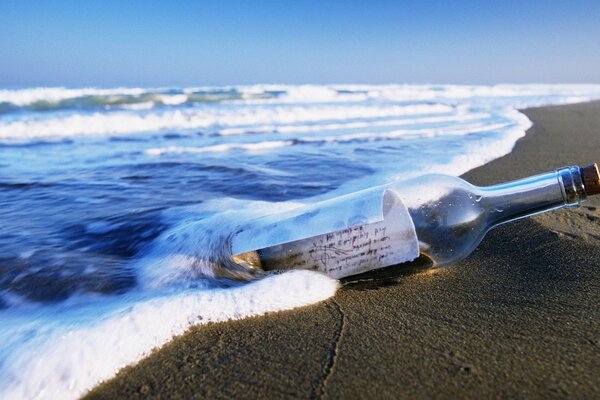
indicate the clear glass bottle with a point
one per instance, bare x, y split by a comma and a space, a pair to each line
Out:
426, 222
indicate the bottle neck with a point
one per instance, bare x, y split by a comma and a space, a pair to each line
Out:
533, 195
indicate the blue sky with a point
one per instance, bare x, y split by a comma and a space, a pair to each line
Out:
131, 43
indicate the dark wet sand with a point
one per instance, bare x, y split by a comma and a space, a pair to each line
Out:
520, 318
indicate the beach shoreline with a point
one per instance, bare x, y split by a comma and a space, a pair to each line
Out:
518, 318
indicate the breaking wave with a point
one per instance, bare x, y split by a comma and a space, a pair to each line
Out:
117, 202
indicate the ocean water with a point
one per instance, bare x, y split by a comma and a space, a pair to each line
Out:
113, 200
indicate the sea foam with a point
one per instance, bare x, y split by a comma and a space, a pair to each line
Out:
120, 122
66, 361
195, 154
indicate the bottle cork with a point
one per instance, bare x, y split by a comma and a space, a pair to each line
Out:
591, 179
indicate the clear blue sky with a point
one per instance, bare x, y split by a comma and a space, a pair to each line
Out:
180, 43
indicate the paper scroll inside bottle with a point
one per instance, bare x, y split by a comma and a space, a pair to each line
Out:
367, 230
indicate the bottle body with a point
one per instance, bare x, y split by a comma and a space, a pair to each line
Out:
453, 219
438, 218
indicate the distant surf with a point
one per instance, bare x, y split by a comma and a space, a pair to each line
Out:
114, 199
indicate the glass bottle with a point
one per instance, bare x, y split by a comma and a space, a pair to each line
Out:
425, 222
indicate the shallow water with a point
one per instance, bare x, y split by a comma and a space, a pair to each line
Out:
114, 199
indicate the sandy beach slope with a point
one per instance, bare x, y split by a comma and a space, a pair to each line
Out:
520, 318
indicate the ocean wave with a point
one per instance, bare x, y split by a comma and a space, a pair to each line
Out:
99, 272
340, 139
25, 97
54, 99
120, 122
261, 146
59, 98
444, 119
564, 93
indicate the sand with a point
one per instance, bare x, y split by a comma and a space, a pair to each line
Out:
520, 318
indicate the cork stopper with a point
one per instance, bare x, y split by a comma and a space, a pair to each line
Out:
591, 179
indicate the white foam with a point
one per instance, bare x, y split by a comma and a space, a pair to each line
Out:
319, 93
355, 93
294, 106
461, 117
59, 352
480, 153
173, 99
66, 363
466, 129
130, 122
261, 146
310, 94
146, 105
26, 97
428, 92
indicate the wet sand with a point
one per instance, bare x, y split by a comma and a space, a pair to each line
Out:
520, 318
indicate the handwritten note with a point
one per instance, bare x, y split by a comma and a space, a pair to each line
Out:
352, 250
